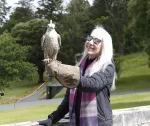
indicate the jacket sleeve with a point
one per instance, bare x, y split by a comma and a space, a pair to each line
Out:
62, 109
98, 80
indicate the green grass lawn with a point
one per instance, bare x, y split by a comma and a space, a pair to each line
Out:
135, 74
26, 114
18, 90
130, 100
41, 112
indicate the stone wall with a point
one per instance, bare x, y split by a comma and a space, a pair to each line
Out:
137, 116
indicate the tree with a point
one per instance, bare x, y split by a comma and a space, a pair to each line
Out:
115, 11
98, 9
73, 30
30, 33
13, 65
25, 3
112, 14
118, 17
139, 14
22, 13
132, 44
49, 9
3, 11
140, 21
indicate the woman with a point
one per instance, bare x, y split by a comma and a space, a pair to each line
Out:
88, 102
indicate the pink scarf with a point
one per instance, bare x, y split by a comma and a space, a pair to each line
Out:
88, 108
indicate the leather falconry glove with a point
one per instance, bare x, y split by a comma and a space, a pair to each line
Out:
67, 75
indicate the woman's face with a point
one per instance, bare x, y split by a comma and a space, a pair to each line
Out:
93, 47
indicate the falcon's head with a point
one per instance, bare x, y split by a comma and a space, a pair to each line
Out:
50, 26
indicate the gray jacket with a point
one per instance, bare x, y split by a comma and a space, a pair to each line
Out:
100, 82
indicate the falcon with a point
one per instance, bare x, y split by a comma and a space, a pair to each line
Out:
50, 43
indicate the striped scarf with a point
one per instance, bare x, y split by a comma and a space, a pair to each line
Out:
88, 108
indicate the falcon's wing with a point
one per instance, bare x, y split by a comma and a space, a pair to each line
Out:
59, 40
42, 41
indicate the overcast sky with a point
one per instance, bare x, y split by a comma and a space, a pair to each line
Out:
11, 2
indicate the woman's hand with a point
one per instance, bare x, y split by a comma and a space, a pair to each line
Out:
47, 122
34, 124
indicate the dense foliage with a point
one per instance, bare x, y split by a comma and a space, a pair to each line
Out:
13, 64
140, 21
30, 34
72, 28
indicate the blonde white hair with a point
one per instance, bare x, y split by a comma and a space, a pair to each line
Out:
106, 55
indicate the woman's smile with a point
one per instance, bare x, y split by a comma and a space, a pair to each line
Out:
93, 50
